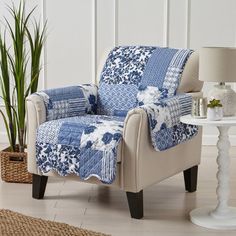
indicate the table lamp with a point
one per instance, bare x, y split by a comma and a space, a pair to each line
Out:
218, 64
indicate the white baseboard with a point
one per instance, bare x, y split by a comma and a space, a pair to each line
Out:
209, 140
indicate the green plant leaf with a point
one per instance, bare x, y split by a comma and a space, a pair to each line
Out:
14, 59
214, 103
36, 45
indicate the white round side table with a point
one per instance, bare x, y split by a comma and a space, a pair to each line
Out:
222, 216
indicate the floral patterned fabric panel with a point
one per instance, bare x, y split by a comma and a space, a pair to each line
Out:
164, 121
83, 145
150, 94
126, 64
99, 145
91, 94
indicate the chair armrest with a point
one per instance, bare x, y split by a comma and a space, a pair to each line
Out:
137, 149
69, 101
35, 109
37, 114
134, 125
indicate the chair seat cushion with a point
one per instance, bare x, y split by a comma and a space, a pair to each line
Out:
68, 131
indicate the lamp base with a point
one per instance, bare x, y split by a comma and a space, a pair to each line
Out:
227, 97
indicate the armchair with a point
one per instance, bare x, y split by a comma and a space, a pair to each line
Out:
137, 164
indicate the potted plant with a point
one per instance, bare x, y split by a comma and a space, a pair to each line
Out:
21, 47
214, 110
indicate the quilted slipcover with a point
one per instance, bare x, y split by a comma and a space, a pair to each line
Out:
73, 142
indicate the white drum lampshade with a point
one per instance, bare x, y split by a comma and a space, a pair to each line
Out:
218, 64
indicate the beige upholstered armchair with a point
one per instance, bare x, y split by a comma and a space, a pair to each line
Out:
138, 165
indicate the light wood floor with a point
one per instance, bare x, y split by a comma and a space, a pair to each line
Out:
166, 205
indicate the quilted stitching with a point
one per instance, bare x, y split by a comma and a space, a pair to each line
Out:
118, 97
174, 107
70, 133
49, 131
157, 66
175, 69
164, 122
87, 145
69, 151
63, 102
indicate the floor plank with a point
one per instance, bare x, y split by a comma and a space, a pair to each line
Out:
166, 205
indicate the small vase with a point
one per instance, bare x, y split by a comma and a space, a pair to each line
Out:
215, 113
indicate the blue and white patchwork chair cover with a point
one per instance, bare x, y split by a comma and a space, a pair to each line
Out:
126, 131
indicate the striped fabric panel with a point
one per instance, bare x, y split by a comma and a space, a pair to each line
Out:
179, 105
76, 107
185, 102
76, 103
180, 58
175, 69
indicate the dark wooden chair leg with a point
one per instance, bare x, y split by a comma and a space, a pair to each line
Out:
190, 179
39, 186
135, 201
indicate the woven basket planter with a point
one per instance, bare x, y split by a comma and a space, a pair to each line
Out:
14, 167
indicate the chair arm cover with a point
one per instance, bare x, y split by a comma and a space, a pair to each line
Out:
165, 128
37, 114
69, 101
141, 164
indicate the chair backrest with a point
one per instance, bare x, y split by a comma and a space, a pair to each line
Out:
128, 68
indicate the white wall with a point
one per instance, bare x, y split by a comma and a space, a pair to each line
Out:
80, 30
